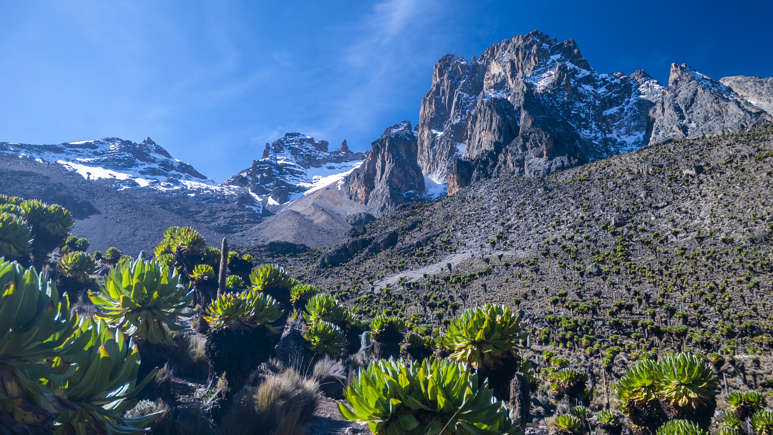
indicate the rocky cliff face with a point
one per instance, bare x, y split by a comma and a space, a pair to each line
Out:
292, 166
756, 90
532, 105
696, 105
390, 174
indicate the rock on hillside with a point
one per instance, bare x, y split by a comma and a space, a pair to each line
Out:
390, 174
756, 90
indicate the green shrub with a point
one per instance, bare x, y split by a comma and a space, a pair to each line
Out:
249, 308
35, 327
326, 308
234, 282
681, 427
744, 404
433, 397
73, 243
482, 336
77, 265
112, 255
387, 328
568, 381
184, 243
15, 236
272, 280
103, 385
687, 387
567, 424
762, 422
203, 272
50, 225
300, 294
143, 299
325, 338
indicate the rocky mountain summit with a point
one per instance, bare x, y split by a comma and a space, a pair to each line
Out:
293, 166
124, 163
532, 105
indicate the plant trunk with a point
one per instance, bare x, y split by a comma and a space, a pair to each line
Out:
237, 351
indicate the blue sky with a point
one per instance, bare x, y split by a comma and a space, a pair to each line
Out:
212, 81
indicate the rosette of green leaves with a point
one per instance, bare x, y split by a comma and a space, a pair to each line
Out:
15, 236
482, 336
323, 307
102, 384
143, 299
744, 404
681, 427
35, 328
686, 381
272, 279
325, 338
249, 308
77, 265
387, 328
762, 422
50, 225
434, 397
567, 424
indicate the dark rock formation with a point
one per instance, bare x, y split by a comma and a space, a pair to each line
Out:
390, 174
290, 165
696, 105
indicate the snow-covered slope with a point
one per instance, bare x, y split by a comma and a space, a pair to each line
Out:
124, 163
294, 166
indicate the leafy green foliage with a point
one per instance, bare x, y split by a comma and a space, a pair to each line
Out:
762, 422
15, 236
387, 328
433, 397
73, 243
184, 241
301, 293
77, 265
481, 336
35, 327
606, 417
639, 385
249, 308
744, 404
234, 282
567, 424
325, 338
326, 308
203, 272
112, 255
239, 265
686, 381
568, 381
50, 225
273, 280
681, 427
103, 385
143, 299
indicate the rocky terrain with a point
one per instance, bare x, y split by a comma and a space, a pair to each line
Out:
666, 247
293, 166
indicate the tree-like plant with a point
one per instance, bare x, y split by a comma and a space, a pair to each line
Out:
325, 338
185, 244
77, 265
249, 308
435, 396
272, 280
483, 336
729, 424
637, 392
762, 422
50, 225
112, 255
300, 295
143, 299
744, 404
73, 243
568, 381
687, 388
15, 236
103, 384
567, 424
323, 307
35, 328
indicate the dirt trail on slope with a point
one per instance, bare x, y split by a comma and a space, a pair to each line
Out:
442, 265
